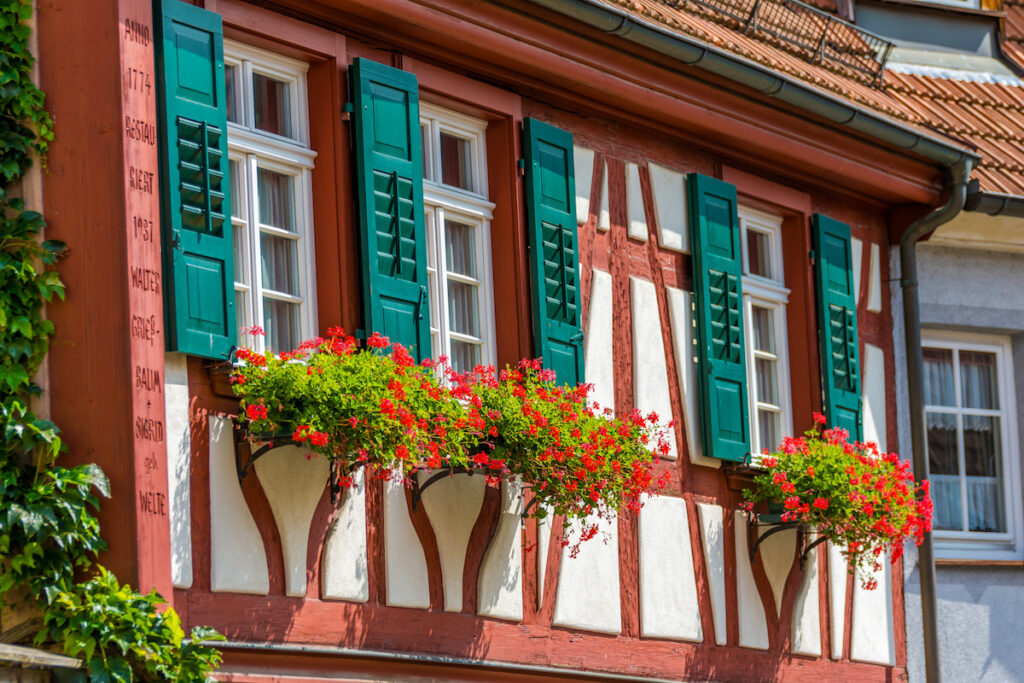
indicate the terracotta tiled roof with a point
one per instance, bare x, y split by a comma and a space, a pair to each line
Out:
987, 116
990, 116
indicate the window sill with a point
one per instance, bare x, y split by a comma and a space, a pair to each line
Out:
950, 562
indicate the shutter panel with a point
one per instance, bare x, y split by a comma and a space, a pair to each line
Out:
717, 274
197, 236
389, 186
554, 250
837, 324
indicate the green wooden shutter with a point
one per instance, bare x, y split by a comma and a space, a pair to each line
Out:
389, 185
837, 324
717, 274
554, 250
195, 199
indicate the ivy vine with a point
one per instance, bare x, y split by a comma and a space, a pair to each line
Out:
49, 533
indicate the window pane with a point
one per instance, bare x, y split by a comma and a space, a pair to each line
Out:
765, 376
460, 248
241, 254
982, 461
242, 312
463, 314
768, 429
428, 167
272, 105
978, 380
945, 471
759, 256
281, 323
456, 162
277, 199
232, 76
280, 264
764, 338
235, 170
465, 356
942, 451
938, 377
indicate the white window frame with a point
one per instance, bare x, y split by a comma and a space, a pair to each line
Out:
254, 148
981, 545
768, 293
474, 208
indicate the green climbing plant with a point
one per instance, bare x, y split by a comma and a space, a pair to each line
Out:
49, 533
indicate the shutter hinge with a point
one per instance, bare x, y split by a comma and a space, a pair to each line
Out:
346, 111
811, 255
522, 166
576, 338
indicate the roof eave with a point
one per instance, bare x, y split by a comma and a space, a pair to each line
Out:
695, 53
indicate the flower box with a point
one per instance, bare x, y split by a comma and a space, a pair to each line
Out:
374, 406
864, 501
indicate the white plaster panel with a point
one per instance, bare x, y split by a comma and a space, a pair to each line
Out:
405, 565
777, 558
238, 561
875, 284
293, 483
668, 588
650, 372
604, 216
806, 610
668, 189
500, 587
857, 250
599, 365
583, 165
452, 505
753, 625
712, 536
543, 542
344, 570
680, 314
588, 584
871, 628
873, 379
836, 598
179, 463
635, 204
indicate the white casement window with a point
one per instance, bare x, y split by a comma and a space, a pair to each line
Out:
458, 218
271, 195
973, 458
764, 306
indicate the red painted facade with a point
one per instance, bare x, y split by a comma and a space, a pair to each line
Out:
500, 62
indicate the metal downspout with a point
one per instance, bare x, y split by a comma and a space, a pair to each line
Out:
958, 175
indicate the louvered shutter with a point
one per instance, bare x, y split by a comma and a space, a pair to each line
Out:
717, 274
195, 201
837, 324
554, 250
389, 182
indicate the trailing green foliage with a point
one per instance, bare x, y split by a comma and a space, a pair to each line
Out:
49, 533
124, 636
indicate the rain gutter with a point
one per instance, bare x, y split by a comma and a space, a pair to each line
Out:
918, 230
692, 52
993, 203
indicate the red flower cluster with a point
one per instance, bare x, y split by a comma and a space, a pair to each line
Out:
375, 406
850, 492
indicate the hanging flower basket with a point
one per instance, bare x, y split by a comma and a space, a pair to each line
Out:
864, 501
374, 407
